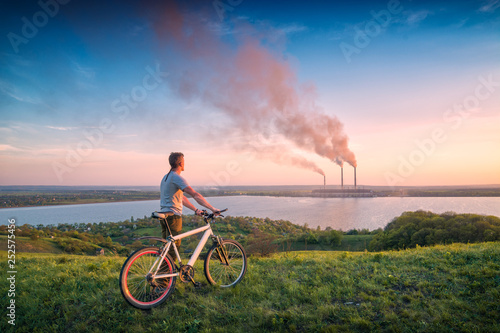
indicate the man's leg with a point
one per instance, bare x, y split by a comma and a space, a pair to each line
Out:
164, 229
175, 224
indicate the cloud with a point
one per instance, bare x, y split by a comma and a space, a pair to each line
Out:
9, 148
10, 90
85, 76
15, 60
285, 31
461, 23
84, 72
489, 6
243, 26
414, 18
138, 29
292, 29
67, 128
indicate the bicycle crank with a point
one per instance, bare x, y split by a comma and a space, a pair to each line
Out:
186, 273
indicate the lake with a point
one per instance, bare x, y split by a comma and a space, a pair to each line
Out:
337, 213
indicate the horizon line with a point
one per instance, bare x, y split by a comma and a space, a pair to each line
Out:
259, 185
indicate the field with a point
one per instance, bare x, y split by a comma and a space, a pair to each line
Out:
453, 288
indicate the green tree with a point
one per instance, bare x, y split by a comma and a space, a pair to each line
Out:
427, 228
34, 235
335, 237
261, 243
136, 245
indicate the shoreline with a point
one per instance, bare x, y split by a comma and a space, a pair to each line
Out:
76, 203
260, 194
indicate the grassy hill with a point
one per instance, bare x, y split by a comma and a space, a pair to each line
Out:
260, 236
452, 288
49, 245
25, 244
120, 237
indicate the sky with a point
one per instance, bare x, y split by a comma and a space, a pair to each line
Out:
252, 92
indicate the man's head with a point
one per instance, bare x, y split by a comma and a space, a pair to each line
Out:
176, 160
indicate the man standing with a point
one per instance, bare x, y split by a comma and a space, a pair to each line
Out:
172, 198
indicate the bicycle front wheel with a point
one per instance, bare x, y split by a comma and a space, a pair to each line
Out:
137, 285
226, 263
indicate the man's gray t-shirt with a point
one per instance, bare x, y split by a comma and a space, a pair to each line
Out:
171, 193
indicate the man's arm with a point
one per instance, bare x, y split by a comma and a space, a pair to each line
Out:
199, 199
188, 204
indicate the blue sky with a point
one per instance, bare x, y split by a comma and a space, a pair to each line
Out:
101, 93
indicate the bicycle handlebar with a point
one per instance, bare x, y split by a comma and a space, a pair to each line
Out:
207, 216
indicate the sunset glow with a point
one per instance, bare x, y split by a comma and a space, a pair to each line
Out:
252, 93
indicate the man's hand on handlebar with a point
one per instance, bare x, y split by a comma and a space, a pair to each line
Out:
204, 213
218, 212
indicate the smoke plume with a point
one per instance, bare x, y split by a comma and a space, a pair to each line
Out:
231, 66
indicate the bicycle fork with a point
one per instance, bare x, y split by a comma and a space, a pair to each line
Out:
221, 251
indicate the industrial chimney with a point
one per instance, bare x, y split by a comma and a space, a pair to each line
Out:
342, 177
354, 177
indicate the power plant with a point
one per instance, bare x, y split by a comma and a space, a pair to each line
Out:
343, 192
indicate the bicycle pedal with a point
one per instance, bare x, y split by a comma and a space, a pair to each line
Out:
198, 285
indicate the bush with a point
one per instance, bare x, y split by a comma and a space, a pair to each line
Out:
34, 235
335, 238
137, 245
261, 243
426, 228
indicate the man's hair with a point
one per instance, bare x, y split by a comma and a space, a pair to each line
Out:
175, 159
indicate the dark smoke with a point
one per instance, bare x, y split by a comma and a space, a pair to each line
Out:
251, 83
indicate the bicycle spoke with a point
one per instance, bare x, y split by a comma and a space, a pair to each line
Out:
226, 265
137, 282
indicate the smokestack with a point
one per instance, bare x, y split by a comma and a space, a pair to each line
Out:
324, 182
354, 177
342, 177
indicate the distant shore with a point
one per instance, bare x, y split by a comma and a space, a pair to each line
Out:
35, 196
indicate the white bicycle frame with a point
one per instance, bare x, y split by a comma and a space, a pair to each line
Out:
171, 242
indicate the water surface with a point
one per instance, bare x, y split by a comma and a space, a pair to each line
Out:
337, 213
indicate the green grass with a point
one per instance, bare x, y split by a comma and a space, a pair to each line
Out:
454, 288
349, 243
47, 245
25, 244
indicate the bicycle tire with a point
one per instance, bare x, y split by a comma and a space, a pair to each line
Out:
136, 289
223, 274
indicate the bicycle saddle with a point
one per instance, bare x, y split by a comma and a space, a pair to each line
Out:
161, 215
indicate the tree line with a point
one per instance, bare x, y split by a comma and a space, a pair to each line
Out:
259, 235
25, 199
425, 228
263, 236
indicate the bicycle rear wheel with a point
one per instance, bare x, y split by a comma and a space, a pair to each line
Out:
136, 284
225, 264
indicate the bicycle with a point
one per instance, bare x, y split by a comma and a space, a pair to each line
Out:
148, 276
